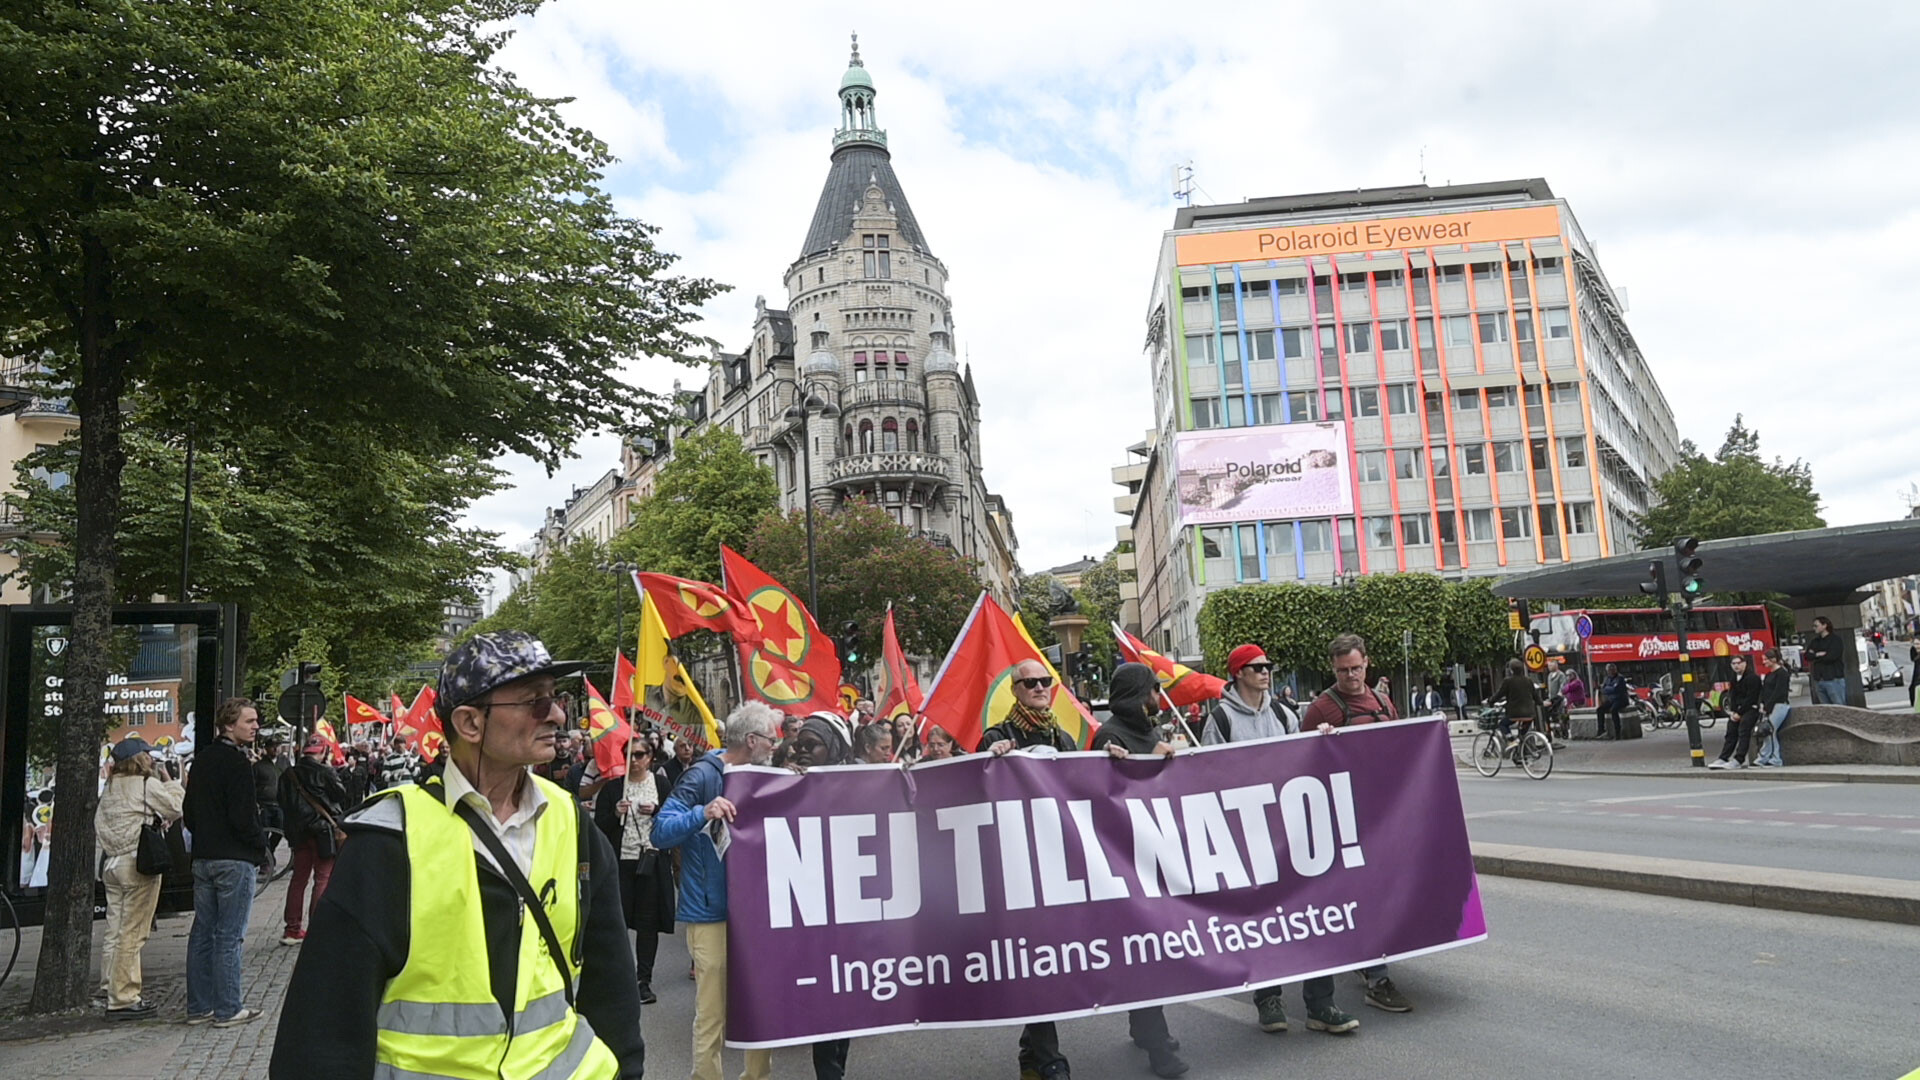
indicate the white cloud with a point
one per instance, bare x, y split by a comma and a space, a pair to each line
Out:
1745, 172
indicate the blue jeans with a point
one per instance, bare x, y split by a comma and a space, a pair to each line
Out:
222, 901
1830, 692
1770, 752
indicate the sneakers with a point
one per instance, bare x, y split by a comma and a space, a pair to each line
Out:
196, 1019
1164, 1062
139, 1010
1382, 994
1331, 1020
647, 996
1273, 1014
1720, 763
241, 1017
293, 937
1736, 765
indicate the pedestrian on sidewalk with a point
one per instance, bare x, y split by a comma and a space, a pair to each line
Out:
1774, 689
312, 803
1829, 664
268, 766
229, 848
1743, 709
136, 794
1614, 694
472, 927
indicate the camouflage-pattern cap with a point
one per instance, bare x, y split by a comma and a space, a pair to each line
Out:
485, 662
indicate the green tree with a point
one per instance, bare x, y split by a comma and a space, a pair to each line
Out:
866, 559
338, 215
574, 605
1477, 630
710, 492
1036, 607
1733, 493
1099, 597
1294, 623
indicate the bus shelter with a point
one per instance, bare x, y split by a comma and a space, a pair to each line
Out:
1821, 572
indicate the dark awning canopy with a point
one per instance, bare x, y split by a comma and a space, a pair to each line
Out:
1810, 563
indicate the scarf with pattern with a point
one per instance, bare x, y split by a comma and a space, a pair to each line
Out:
1029, 719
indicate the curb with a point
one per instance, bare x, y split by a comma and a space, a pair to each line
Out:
1813, 892
1760, 775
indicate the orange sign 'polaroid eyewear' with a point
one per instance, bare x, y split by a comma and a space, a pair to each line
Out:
1379, 234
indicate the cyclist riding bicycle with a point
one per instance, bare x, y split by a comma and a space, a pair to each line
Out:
1521, 698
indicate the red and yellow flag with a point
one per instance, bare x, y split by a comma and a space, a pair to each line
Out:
785, 660
686, 605
900, 692
1183, 685
359, 712
609, 734
395, 707
325, 730
974, 689
420, 721
626, 682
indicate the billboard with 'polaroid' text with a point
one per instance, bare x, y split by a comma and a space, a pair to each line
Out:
1263, 473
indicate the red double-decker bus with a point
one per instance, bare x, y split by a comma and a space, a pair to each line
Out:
1642, 642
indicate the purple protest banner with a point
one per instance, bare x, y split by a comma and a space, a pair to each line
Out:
982, 890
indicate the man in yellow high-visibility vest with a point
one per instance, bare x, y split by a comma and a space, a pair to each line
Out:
473, 928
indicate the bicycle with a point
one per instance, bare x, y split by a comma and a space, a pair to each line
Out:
1531, 750
279, 861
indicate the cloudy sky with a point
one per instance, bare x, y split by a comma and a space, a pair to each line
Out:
1746, 170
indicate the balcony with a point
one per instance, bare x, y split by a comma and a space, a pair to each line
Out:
884, 392
57, 410
1124, 504
886, 466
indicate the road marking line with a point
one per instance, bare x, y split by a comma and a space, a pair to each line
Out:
1863, 828
1493, 813
1777, 787
1817, 825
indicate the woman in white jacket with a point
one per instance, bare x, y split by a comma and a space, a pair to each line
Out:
135, 795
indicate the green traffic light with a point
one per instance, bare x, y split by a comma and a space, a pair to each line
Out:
1692, 586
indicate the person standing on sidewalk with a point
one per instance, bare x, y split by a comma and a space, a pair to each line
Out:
1829, 663
1743, 709
1774, 688
268, 767
472, 928
690, 820
229, 847
312, 802
1245, 712
624, 811
135, 795
1345, 703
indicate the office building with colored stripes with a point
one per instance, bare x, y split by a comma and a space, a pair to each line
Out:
1460, 357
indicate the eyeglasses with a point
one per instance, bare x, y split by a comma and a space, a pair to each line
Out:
540, 706
1037, 683
1258, 669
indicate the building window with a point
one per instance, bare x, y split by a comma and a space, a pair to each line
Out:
1406, 464
1249, 554
1228, 308
1303, 406
1359, 336
1573, 452
1294, 343
1506, 457
1479, 525
1200, 351
1436, 406
1459, 331
1332, 400
1416, 529
1213, 542
1513, 522
1446, 529
1316, 537
1393, 335
1323, 292
1421, 294
1353, 282
1268, 409
1386, 279
1500, 397
846, 445
1558, 323
913, 435
1537, 451
1548, 266
1493, 327
874, 247
1379, 532
1564, 393
1473, 459
1466, 400
1329, 351
1486, 271
900, 361
1236, 417
1580, 519
1366, 401
822, 279
1452, 274
1400, 398
1372, 465
1424, 328
1260, 344
1291, 286
890, 434
866, 436
1206, 412
1279, 541
1517, 279
1349, 540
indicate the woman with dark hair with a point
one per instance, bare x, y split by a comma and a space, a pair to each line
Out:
1743, 710
1774, 688
624, 811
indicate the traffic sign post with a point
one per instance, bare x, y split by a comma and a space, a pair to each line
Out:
301, 705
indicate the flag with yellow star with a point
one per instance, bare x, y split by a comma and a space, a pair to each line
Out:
787, 662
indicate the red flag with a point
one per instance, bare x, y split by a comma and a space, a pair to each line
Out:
787, 662
900, 693
686, 605
325, 730
608, 733
974, 688
419, 721
396, 709
359, 712
626, 682
1183, 685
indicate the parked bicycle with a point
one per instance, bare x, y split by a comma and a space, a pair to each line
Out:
1528, 748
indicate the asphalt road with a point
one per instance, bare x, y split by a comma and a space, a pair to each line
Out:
1870, 829
1571, 983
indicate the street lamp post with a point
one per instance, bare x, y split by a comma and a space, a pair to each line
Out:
805, 404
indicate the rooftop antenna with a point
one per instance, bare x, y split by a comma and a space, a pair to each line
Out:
1183, 184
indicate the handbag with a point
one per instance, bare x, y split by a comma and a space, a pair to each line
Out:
150, 854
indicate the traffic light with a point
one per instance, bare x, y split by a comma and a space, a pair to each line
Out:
849, 643
1656, 583
1087, 667
1692, 585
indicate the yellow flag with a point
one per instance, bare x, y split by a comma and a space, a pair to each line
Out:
657, 666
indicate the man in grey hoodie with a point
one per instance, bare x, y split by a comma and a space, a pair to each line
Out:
1245, 711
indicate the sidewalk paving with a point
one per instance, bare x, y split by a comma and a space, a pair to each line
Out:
84, 1043
1664, 753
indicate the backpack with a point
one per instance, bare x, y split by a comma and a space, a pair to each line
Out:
1381, 715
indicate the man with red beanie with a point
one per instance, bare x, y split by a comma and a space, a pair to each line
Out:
1245, 709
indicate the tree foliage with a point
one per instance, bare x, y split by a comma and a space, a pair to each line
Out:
575, 604
1733, 493
710, 492
865, 559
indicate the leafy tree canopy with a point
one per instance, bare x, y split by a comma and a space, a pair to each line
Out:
1733, 493
710, 492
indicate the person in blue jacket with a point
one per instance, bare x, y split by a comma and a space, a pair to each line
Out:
695, 819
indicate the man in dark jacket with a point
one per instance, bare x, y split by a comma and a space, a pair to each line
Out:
312, 803
1614, 694
1829, 657
268, 765
1519, 695
1130, 730
223, 816
1743, 710
459, 853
